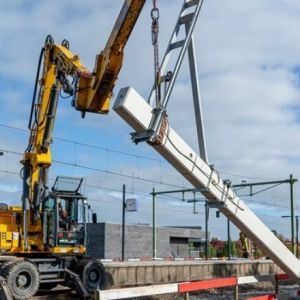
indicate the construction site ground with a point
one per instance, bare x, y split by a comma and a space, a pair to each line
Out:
245, 292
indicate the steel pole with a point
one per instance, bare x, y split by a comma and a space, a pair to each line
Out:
196, 97
228, 239
206, 232
292, 213
297, 236
123, 221
153, 224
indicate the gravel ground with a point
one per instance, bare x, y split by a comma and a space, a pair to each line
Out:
227, 294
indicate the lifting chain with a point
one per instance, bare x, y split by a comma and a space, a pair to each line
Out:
155, 31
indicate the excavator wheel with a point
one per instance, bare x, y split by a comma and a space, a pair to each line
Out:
4, 265
91, 272
22, 279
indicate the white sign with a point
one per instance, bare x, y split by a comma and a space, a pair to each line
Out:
131, 204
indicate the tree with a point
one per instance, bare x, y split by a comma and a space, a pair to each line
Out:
258, 253
233, 250
212, 251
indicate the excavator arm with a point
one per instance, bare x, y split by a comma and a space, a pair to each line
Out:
58, 65
95, 92
59, 70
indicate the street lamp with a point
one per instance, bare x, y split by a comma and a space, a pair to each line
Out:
297, 233
1, 153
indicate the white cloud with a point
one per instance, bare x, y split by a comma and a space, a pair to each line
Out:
248, 57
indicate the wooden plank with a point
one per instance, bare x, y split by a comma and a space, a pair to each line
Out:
255, 279
137, 291
265, 297
206, 284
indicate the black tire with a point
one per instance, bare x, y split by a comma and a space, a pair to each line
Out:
5, 265
92, 274
22, 279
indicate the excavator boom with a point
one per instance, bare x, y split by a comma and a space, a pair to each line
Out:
91, 92
95, 92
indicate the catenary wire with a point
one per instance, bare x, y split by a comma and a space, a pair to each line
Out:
130, 154
167, 197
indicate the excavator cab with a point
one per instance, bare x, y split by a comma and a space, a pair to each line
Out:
65, 217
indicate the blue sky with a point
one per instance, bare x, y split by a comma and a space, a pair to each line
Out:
248, 60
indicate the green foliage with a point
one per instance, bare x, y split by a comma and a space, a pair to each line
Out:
233, 249
212, 251
258, 253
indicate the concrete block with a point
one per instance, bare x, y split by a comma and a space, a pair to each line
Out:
157, 274
131, 274
140, 274
149, 275
165, 275
122, 276
172, 273
114, 275
186, 273
180, 274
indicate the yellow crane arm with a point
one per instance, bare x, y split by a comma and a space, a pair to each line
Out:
58, 65
94, 93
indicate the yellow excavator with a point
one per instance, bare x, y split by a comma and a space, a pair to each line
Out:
43, 242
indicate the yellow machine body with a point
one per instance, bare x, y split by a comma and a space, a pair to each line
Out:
23, 229
9, 230
43, 242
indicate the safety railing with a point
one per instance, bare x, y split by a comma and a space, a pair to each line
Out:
187, 287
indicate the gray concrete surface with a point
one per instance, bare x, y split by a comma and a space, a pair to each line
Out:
123, 274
